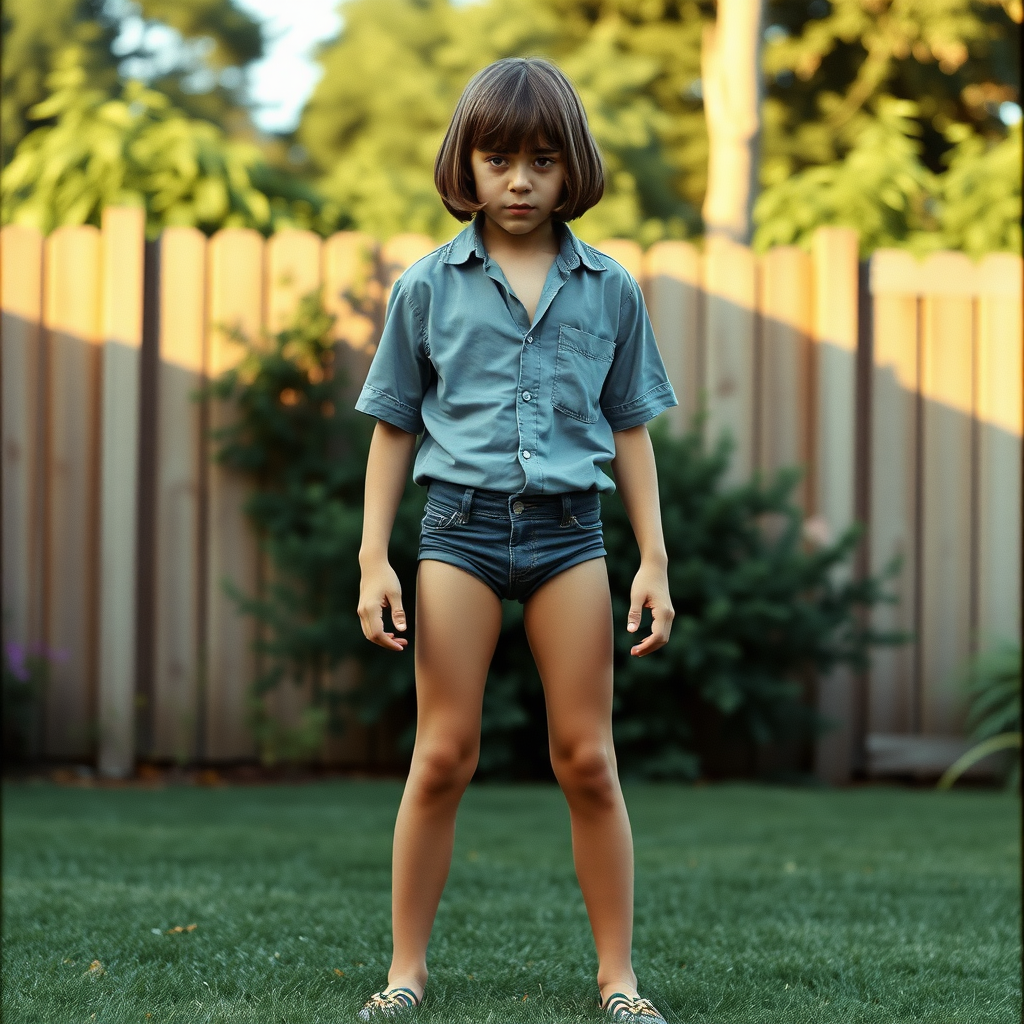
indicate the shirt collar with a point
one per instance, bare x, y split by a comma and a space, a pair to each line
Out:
571, 253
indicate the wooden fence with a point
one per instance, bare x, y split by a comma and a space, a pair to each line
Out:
897, 385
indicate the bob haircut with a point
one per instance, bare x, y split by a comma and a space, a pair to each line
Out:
512, 102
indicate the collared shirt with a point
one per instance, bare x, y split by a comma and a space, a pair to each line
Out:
503, 403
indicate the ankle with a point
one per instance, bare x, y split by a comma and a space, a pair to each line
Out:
624, 983
415, 980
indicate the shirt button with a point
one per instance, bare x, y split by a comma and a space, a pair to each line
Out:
518, 508
526, 455
527, 396
529, 340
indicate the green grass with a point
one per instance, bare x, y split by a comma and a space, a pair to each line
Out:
753, 905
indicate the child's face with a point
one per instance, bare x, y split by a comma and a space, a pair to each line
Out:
520, 190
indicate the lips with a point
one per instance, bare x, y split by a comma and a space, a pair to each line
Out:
519, 207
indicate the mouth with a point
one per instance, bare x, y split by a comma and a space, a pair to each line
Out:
519, 208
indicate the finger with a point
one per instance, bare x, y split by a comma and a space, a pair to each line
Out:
635, 608
661, 627
390, 641
394, 598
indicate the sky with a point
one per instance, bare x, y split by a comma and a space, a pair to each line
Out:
281, 83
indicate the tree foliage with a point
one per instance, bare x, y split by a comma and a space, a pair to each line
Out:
200, 70
134, 147
839, 78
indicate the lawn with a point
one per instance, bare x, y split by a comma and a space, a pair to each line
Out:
753, 905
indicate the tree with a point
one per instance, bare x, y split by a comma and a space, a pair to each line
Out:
202, 72
135, 146
731, 67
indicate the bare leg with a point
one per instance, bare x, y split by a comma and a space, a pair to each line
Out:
569, 626
458, 619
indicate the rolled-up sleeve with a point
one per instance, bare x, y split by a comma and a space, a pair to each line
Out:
400, 372
637, 387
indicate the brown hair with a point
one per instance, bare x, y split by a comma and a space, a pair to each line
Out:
511, 102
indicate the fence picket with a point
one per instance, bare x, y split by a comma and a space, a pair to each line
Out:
400, 252
235, 261
293, 271
832, 462
626, 253
21, 301
946, 570
999, 402
786, 324
122, 278
671, 277
72, 317
180, 496
893, 704
730, 283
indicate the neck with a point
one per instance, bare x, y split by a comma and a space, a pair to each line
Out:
542, 238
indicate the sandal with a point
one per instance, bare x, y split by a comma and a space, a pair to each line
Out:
631, 1009
389, 1002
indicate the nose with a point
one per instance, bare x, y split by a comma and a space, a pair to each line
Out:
520, 180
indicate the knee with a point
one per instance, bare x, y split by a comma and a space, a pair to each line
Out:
444, 769
586, 772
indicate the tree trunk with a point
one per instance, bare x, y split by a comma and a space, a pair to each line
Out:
731, 79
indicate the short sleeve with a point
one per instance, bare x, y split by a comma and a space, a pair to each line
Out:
400, 371
637, 387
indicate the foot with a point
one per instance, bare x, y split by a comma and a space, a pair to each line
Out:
631, 1008
389, 1002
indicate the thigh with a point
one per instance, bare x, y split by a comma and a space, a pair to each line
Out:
458, 619
569, 625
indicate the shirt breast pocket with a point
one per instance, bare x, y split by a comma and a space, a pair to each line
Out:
581, 365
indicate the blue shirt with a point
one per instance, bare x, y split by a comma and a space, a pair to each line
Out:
505, 404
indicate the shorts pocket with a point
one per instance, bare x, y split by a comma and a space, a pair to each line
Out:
581, 366
587, 521
439, 517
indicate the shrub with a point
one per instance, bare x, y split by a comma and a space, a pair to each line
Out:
758, 608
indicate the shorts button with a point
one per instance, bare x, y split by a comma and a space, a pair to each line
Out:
518, 508
527, 396
526, 455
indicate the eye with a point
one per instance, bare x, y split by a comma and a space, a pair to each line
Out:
495, 161
545, 161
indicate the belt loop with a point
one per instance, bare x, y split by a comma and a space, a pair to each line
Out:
566, 510
467, 506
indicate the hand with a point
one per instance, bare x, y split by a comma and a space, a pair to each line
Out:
379, 588
650, 590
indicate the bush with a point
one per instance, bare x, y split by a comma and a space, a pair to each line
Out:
759, 610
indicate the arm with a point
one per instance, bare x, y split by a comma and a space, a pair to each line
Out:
387, 467
637, 480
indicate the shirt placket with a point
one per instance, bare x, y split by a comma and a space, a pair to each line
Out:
528, 387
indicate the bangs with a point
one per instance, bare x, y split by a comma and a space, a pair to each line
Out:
516, 102
526, 117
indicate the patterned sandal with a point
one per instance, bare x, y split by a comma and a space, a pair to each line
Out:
389, 1002
631, 1009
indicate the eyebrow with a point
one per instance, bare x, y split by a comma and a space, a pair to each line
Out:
506, 152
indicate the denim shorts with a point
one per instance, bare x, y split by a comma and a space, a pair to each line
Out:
513, 543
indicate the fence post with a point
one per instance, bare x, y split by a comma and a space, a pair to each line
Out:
122, 277
21, 299
894, 700
834, 255
72, 317
235, 262
947, 369
180, 498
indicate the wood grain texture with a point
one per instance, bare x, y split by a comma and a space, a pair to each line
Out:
235, 262
72, 292
179, 598
123, 255
671, 282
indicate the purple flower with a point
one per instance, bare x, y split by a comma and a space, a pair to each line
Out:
16, 660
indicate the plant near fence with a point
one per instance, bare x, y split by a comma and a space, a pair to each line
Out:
759, 608
993, 684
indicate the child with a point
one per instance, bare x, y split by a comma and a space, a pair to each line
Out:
525, 358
